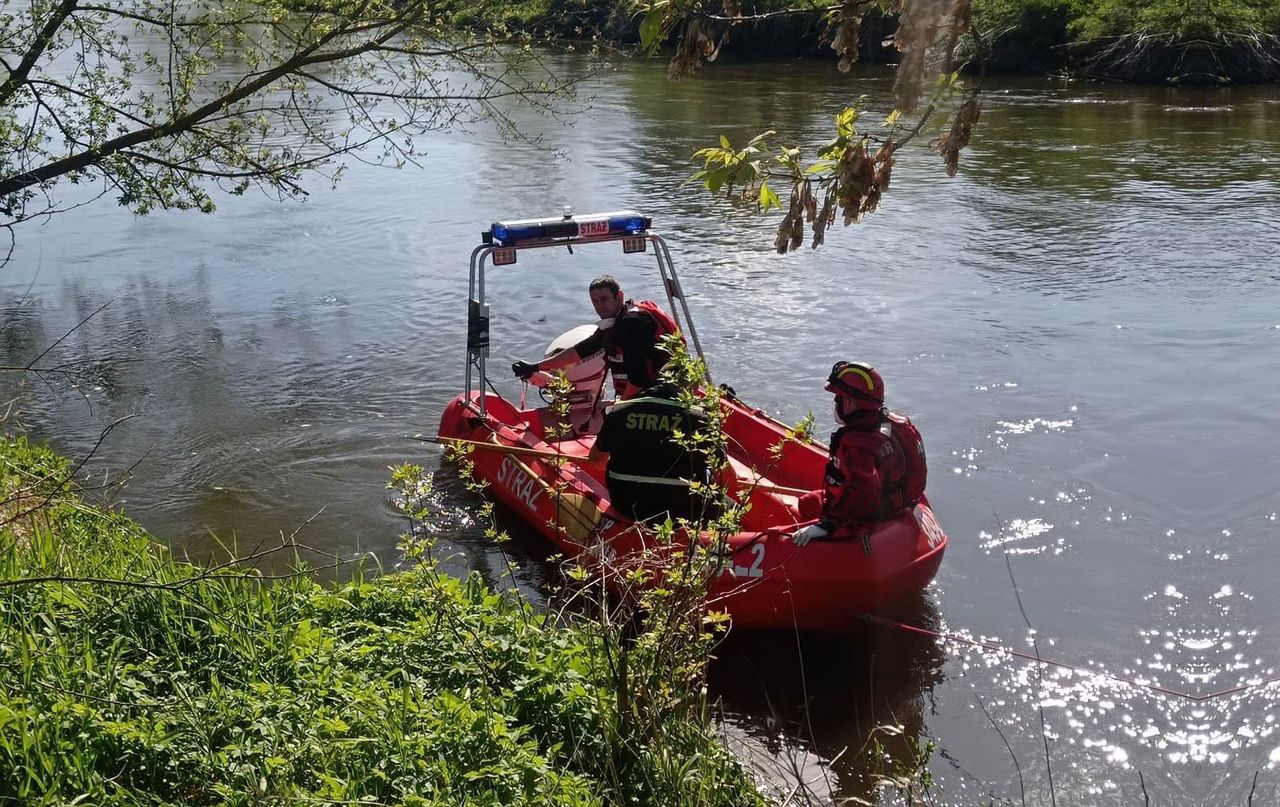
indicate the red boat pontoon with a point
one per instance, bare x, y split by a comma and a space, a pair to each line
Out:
766, 581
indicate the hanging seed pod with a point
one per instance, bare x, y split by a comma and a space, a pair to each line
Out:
961, 14
856, 174
884, 164
810, 203
917, 27
846, 27
794, 217
784, 235
695, 46
797, 232
824, 219
949, 145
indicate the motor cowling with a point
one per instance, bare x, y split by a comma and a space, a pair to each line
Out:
586, 375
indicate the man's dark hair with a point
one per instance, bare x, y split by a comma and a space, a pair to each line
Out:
605, 282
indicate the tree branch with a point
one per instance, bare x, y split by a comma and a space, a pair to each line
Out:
310, 55
43, 40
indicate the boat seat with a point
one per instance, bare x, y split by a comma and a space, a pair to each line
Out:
767, 506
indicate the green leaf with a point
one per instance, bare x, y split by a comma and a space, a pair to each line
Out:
651, 30
768, 199
845, 121
724, 142
716, 179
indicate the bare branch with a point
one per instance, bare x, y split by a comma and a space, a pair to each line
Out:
74, 328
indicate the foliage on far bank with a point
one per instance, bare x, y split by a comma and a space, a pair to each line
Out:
1188, 20
127, 677
1021, 36
1172, 41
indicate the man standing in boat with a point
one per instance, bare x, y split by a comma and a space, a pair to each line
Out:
651, 465
629, 333
877, 466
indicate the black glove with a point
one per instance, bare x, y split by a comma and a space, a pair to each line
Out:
524, 370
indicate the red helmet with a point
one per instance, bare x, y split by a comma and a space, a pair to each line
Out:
858, 383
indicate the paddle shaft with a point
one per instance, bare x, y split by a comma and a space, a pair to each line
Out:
525, 451
519, 451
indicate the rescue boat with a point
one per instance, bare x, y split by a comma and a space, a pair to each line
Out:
536, 463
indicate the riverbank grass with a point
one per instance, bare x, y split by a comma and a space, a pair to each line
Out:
127, 677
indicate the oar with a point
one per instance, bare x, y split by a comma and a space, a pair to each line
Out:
763, 485
525, 451
519, 451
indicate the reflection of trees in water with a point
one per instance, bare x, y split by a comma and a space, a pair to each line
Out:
810, 702
151, 349
22, 332
1077, 138
69, 359
1075, 189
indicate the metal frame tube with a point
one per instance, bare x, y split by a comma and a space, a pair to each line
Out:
663, 254
475, 295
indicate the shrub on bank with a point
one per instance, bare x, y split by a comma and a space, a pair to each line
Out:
127, 677
1208, 21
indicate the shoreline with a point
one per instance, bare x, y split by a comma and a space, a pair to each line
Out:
1040, 43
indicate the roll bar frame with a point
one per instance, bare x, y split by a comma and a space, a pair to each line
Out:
478, 310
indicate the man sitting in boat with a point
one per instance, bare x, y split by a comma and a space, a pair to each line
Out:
629, 333
650, 470
877, 466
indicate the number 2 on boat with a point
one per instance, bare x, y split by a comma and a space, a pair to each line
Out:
754, 569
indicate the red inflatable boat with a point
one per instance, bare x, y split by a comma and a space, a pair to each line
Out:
765, 581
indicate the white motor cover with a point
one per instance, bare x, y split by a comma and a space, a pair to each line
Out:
586, 369
586, 375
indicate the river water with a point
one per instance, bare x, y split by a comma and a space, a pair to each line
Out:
1084, 323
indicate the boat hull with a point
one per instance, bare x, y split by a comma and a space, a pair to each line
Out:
764, 580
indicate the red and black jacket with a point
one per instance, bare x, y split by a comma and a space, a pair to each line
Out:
877, 469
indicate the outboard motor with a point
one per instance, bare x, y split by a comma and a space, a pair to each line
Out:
587, 377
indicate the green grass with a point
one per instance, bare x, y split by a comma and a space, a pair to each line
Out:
129, 678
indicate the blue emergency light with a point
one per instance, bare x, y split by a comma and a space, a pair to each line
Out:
621, 222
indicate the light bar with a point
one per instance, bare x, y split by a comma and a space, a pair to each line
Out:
619, 222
